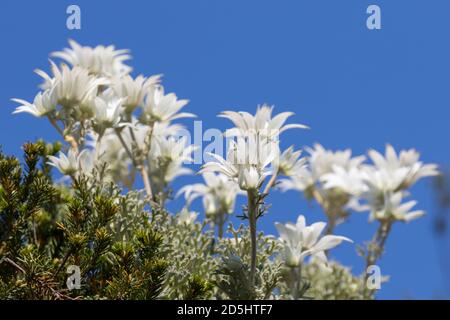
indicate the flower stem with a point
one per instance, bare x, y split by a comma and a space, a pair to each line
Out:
220, 224
147, 185
139, 165
97, 147
375, 251
252, 216
145, 151
68, 138
296, 276
271, 182
55, 125
378, 242
124, 144
331, 224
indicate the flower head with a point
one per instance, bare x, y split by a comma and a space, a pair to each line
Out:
132, 90
261, 123
320, 163
102, 61
106, 109
301, 241
43, 104
403, 169
390, 207
73, 163
160, 107
247, 161
218, 193
290, 163
388, 178
323, 161
166, 159
71, 86
350, 181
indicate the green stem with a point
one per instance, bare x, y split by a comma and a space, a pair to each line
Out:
331, 223
252, 216
271, 182
378, 241
220, 224
138, 164
125, 146
145, 178
376, 250
296, 275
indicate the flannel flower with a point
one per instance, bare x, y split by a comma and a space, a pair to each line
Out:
261, 123
73, 163
102, 61
300, 241
247, 161
43, 104
218, 192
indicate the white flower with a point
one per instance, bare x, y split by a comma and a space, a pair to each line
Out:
160, 107
261, 123
73, 162
247, 161
133, 90
71, 86
390, 206
320, 162
406, 164
301, 181
101, 60
106, 109
44, 103
391, 174
290, 163
350, 181
301, 241
141, 131
219, 193
165, 129
172, 148
166, 158
380, 181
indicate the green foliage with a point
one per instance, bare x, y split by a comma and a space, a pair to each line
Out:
23, 194
234, 274
126, 251
334, 282
28, 243
44, 229
197, 288
137, 268
191, 252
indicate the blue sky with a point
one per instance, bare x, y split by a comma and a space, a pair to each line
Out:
354, 87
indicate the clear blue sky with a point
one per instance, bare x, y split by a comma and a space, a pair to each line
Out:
355, 88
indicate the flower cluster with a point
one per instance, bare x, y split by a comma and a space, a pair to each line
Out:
340, 182
255, 148
110, 117
118, 127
